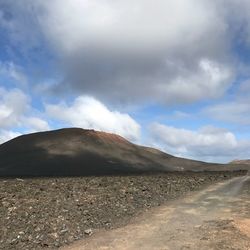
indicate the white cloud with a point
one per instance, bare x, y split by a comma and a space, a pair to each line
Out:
36, 124
208, 143
132, 50
13, 104
237, 110
116, 48
143, 25
6, 135
210, 81
87, 112
16, 112
13, 71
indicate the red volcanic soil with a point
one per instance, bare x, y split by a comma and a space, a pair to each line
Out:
79, 152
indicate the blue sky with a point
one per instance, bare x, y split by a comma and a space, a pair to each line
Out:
171, 74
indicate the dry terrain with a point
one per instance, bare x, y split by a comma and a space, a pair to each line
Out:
52, 212
113, 181
217, 217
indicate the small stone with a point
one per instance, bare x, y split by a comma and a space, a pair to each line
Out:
18, 179
88, 232
54, 235
197, 226
57, 244
13, 241
64, 231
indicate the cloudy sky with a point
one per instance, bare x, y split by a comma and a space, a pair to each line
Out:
173, 74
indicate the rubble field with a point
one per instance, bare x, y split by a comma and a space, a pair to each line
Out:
46, 213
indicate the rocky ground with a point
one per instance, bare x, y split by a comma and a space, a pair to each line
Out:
216, 217
233, 232
52, 212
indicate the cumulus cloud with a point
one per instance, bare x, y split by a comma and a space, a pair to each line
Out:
237, 110
16, 112
120, 48
116, 49
35, 124
137, 26
208, 143
210, 81
13, 104
87, 112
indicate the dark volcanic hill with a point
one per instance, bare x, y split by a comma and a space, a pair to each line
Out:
72, 152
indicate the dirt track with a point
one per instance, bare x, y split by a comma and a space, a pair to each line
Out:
215, 218
52, 212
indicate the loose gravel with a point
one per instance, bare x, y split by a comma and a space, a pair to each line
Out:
46, 213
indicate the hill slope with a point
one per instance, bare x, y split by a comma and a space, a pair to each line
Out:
246, 162
74, 151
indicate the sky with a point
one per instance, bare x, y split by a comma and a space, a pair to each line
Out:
172, 74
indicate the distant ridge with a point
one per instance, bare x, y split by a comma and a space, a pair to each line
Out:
247, 162
76, 152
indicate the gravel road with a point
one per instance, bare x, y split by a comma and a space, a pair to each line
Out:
47, 213
217, 217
